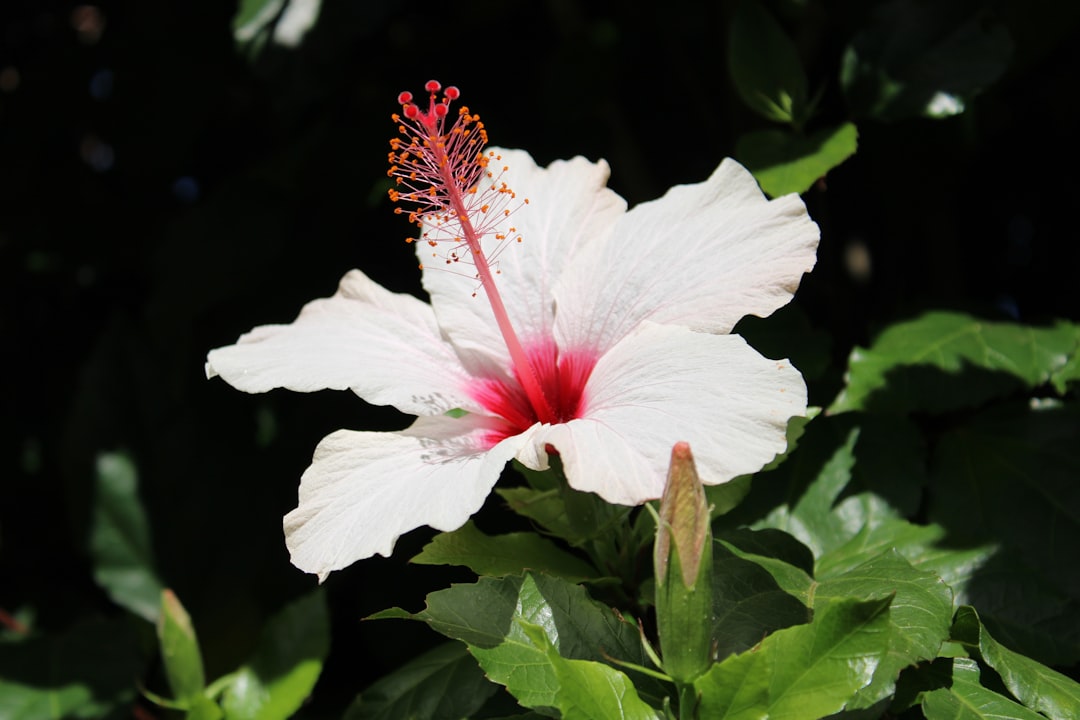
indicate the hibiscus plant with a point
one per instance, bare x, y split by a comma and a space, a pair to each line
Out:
592, 347
581, 420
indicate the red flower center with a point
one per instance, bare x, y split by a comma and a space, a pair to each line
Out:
561, 376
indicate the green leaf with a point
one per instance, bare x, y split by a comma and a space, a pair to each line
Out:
485, 616
946, 361
1008, 477
788, 562
928, 59
444, 682
806, 671
772, 544
282, 670
570, 514
120, 549
921, 545
545, 507
737, 688
765, 65
86, 672
911, 541
810, 519
550, 479
890, 462
726, 496
748, 603
248, 10
828, 492
508, 554
286, 21
957, 567
919, 619
179, 649
795, 429
203, 708
967, 699
1064, 377
791, 579
1037, 686
1024, 608
783, 162
589, 689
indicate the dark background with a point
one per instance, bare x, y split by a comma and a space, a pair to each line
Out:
164, 189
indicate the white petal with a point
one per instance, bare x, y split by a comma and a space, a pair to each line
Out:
569, 206
385, 346
664, 384
363, 490
702, 256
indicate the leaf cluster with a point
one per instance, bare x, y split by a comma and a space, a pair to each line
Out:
891, 563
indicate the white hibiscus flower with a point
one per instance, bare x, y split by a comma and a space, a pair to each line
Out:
603, 336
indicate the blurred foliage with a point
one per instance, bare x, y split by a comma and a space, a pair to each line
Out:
172, 173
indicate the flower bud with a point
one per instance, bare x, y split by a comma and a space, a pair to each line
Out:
684, 572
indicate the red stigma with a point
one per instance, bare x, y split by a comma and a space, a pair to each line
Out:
452, 93
432, 86
404, 98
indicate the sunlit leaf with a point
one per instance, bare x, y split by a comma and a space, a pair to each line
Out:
282, 671
967, 699
120, 548
588, 689
444, 682
784, 162
957, 567
945, 361
806, 671
1069, 374
1037, 686
506, 554
485, 615
919, 619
